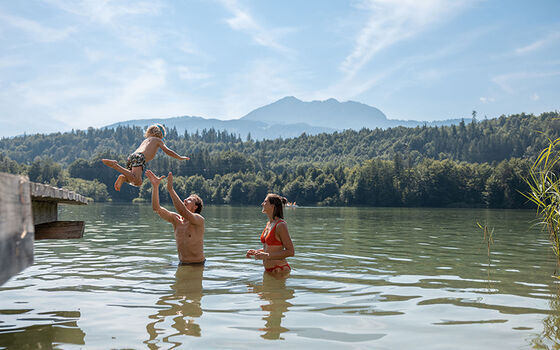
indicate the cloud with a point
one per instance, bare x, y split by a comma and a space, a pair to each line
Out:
351, 86
117, 16
35, 30
243, 21
538, 44
509, 81
80, 101
11, 63
93, 55
534, 97
486, 100
390, 22
107, 11
262, 81
187, 73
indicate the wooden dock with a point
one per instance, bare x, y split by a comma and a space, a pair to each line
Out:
28, 212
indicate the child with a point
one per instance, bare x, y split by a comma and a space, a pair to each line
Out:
144, 153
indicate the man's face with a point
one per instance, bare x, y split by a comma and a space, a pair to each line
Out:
190, 204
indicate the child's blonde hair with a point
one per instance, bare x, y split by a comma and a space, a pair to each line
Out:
156, 130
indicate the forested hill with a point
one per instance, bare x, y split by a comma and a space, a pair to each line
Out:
520, 136
477, 164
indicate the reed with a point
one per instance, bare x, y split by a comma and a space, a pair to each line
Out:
544, 191
488, 237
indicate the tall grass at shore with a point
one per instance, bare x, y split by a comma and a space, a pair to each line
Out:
544, 191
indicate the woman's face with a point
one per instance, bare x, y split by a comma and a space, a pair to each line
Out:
266, 206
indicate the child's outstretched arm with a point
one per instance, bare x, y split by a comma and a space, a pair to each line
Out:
162, 212
172, 153
177, 202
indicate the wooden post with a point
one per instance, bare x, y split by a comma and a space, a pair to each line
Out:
16, 226
44, 211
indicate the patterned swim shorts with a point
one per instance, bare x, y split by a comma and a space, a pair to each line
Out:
136, 160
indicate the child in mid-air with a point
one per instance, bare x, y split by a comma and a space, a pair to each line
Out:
144, 153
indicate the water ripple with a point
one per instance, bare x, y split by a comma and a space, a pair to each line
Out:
361, 278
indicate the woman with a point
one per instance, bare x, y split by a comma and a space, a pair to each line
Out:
277, 244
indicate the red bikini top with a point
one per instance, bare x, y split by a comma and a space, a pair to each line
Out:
271, 239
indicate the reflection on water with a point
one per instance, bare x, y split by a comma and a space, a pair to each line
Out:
549, 338
179, 309
384, 278
61, 329
274, 293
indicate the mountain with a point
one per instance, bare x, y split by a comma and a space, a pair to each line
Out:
290, 117
332, 114
329, 113
258, 129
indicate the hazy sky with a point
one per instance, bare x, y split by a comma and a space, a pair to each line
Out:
78, 63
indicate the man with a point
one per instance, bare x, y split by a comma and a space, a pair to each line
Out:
188, 224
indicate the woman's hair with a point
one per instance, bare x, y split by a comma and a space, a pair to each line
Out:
199, 203
156, 130
278, 202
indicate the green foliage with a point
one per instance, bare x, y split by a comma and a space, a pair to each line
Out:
91, 189
545, 191
10, 166
45, 170
213, 152
479, 164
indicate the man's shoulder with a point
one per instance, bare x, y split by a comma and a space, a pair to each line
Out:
200, 217
196, 215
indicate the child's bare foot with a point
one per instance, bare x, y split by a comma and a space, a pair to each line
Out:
109, 162
120, 180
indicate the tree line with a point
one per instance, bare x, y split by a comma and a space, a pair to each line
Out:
475, 164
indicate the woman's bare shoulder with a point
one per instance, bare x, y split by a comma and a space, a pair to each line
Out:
282, 224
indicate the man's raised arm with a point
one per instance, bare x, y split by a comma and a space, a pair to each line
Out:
194, 219
164, 213
177, 202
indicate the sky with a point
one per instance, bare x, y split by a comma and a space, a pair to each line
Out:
74, 64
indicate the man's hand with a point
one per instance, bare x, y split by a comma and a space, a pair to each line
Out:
153, 178
169, 181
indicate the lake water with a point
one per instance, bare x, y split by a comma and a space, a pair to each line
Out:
363, 278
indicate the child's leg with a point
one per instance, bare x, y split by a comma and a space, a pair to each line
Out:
130, 176
137, 173
120, 180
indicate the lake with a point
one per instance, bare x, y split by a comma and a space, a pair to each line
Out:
363, 278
